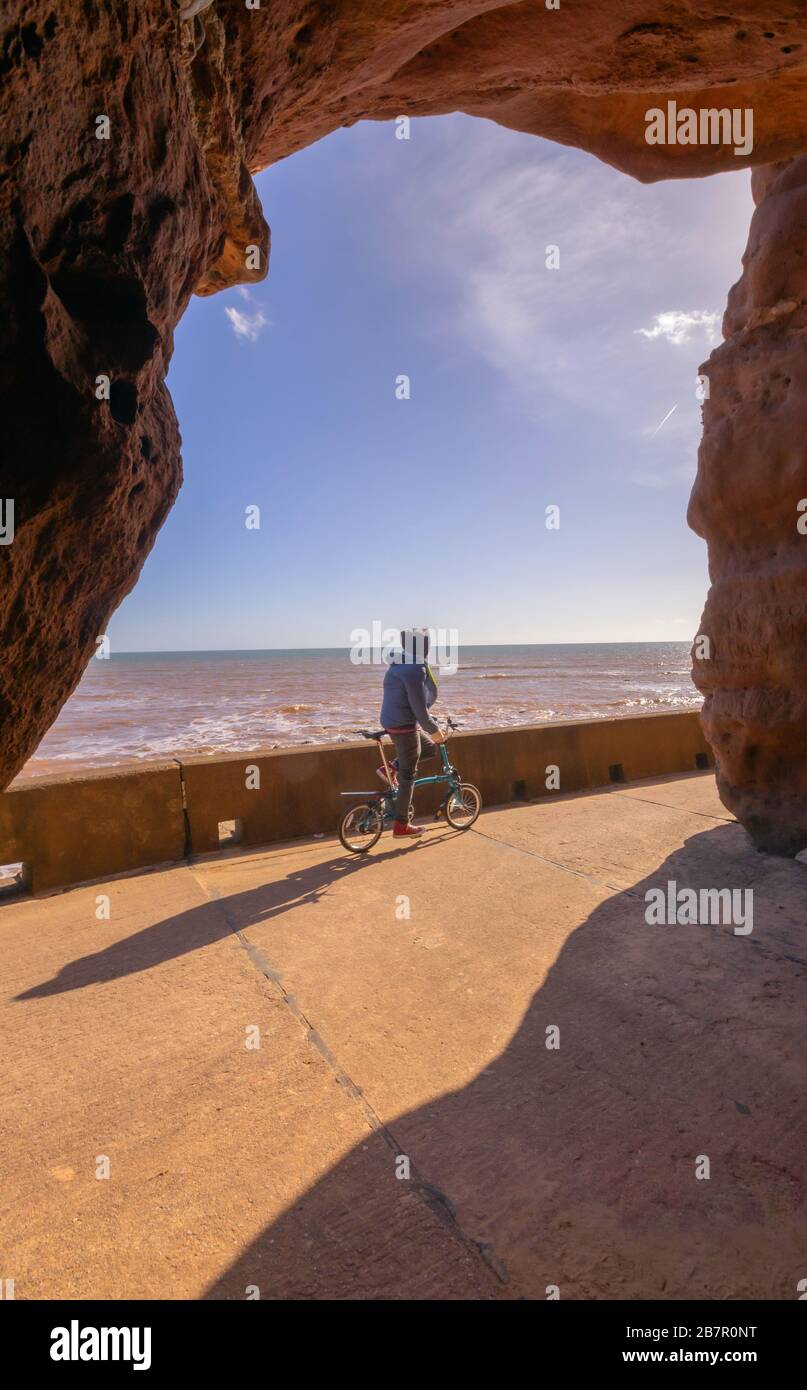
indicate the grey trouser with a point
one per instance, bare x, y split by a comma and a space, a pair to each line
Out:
409, 750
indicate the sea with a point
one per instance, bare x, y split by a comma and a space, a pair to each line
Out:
136, 706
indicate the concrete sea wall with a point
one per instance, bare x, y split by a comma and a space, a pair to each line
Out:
89, 825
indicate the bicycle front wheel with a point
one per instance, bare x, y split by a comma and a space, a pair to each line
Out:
360, 827
463, 806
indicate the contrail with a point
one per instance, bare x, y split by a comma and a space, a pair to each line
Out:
664, 421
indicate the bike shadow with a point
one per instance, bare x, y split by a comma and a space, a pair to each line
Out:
208, 922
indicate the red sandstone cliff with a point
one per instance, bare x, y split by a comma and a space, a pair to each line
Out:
102, 242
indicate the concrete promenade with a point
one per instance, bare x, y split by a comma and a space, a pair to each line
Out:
403, 1003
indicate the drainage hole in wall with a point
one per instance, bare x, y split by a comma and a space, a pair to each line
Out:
14, 878
616, 772
230, 833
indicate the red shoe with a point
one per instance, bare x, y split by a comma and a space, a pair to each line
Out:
404, 830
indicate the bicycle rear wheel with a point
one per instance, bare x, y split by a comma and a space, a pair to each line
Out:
360, 827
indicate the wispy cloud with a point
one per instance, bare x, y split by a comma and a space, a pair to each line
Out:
496, 223
477, 232
245, 325
677, 326
482, 227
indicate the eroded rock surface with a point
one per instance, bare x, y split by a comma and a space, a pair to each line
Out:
749, 500
102, 243
583, 74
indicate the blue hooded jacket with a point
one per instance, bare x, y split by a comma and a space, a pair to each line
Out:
409, 691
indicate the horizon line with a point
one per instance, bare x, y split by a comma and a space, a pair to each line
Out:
206, 651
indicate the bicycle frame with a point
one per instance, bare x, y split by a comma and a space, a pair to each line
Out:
449, 775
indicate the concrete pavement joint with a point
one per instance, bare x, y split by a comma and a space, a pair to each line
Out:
684, 810
439, 1204
555, 864
628, 893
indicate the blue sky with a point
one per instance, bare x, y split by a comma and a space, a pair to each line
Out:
530, 387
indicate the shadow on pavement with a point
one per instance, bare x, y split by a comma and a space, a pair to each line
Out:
203, 924
577, 1167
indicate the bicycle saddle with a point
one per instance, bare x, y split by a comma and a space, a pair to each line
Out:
377, 734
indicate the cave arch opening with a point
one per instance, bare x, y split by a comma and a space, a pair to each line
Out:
547, 315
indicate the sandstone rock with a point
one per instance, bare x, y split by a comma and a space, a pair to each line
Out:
752, 475
103, 241
583, 74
